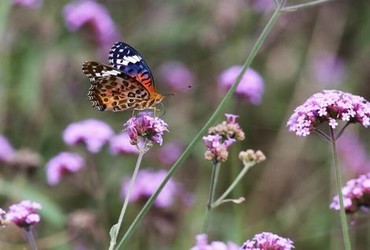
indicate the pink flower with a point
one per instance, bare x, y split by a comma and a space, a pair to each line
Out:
251, 86
176, 75
24, 214
329, 106
33, 4
202, 244
120, 144
146, 184
63, 164
93, 133
268, 241
6, 150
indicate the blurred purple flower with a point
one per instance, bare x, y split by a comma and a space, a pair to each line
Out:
170, 152
88, 12
263, 5
202, 244
33, 4
6, 150
176, 75
63, 164
146, 184
93, 133
120, 144
356, 195
329, 70
251, 86
353, 154
145, 127
329, 106
268, 241
24, 214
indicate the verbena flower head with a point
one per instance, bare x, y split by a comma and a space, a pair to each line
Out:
356, 195
329, 106
251, 156
64, 163
88, 12
120, 144
6, 150
176, 75
146, 184
228, 129
24, 214
33, 4
251, 86
268, 241
203, 244
144, 128
93, 133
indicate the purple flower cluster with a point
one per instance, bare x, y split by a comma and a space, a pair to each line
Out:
268, 241
24, 214
93, 133
176, 75
64, 163
220, 138
6, 150
120, 144
329, 106
144, 128
146, 184
202, 244
88, 12
356, 195
251, 86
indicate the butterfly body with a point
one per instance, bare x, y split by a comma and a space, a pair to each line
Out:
127, 83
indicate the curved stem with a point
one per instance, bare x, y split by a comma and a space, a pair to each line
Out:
323, 135
257, 46
338, 177
341, 131
115, 228
212, 190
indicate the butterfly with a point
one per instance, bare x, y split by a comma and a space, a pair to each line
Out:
126, 83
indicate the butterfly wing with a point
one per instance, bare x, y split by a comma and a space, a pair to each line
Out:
113, 90
128, 60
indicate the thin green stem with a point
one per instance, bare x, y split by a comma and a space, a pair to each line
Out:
338, 177
341, 131
31, 239
115, 228
303, 5
323, 135
203, 130
212, 191
220, 200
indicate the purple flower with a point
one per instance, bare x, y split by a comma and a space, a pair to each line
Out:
24, 214
63, 164
145, 127
328, 70
146, 184
202, 244
93, 133
268, 241
356, 195
33, 4
251, 86
120, 144
88, 12
263, 5
170, 152
176, 75
217, 148
6, 150
329, 106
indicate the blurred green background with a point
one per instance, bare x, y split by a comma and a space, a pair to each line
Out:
43, 89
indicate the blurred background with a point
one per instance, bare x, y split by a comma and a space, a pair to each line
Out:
197, 43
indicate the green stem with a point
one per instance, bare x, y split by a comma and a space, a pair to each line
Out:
31, 239
203, 130
303, 5
219, 201
115, 228
338, 177
212, 190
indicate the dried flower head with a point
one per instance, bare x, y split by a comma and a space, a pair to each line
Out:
329, 106
217, 148
64, 163
93, 133
202, 244
251, 156
356, 195
268, 241
228, 129
144, 129
24, 214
